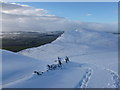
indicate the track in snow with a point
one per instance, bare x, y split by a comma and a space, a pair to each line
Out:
83, 83
115, 78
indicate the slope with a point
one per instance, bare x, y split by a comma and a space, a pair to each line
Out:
16, 66
93, 61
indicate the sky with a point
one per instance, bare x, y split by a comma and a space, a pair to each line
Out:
104, 12
51, 16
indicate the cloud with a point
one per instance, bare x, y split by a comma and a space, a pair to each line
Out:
88, 14
17, 9
16, 17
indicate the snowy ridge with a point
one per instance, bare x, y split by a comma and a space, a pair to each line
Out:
89, 38
80, 40
93, 62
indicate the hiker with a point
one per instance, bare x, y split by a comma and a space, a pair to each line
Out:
37, 72
59, 58
59, 62
67, 59
49, 67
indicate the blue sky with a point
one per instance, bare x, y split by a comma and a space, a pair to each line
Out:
103, 12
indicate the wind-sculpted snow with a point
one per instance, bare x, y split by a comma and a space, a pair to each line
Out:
73, 43
93, 62
16, 66
89, 38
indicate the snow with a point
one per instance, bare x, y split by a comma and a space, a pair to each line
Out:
54, 79
93, 62
73, 43
16, 66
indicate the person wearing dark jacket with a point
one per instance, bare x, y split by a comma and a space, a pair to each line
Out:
59, 61
67, 59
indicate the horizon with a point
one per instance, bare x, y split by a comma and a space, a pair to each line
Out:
54, 16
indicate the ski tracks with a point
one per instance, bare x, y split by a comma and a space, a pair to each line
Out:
83, 83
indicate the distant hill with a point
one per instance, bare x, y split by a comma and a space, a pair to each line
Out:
16, 41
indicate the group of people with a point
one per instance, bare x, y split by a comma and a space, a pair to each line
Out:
59, 64
54, 66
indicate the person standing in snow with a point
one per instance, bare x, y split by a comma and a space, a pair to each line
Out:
59, 62
66, 59
49, 67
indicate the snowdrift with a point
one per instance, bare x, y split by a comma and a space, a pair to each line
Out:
16, 66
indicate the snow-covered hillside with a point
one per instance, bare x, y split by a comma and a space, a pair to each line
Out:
16, 67
73, 43
93, 62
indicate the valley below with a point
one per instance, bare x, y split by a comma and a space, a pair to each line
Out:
17, 41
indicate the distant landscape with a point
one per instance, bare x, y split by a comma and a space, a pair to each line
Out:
18, 41
59, 45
